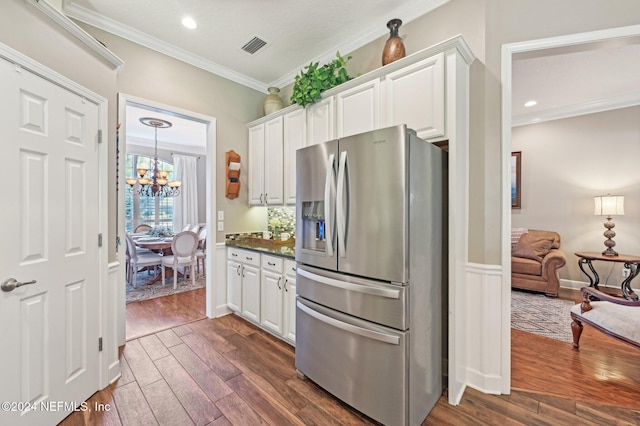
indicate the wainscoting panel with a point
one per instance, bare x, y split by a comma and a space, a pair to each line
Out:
483, 329
220, 284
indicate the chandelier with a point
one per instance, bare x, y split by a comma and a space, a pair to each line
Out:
157, 185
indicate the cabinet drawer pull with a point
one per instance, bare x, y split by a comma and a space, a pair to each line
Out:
234, 254
249, 258
285, 284
270, 263
279, 279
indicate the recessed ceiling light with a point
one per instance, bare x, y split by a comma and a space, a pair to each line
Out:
189, 22
530, 103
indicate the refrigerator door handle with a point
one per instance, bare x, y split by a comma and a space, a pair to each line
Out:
329, 218
382, 292
370, 334
342, 210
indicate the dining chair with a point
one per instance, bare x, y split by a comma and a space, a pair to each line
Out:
187, 227
140, 260
142, 228
201, 252
183, 247
195, 228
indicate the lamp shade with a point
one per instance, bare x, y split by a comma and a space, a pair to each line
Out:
609, 205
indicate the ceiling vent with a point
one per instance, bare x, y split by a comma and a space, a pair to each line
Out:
254, 45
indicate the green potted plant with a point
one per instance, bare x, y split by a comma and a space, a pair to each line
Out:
309, 84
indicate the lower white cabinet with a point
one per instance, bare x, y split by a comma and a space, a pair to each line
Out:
262, 289
243, 283
289, 301
272, 294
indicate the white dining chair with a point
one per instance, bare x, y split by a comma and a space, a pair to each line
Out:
201, 252
183, 247
187, 227
142, 228
140, 260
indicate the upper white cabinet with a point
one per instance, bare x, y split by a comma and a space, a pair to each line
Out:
320, 121
266, 163
415, 96
358, 109
295, 137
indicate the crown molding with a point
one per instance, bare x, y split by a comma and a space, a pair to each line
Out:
78, 32
109, 25
591, 107
91, 18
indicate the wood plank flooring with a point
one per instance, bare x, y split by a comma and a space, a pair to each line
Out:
226, 371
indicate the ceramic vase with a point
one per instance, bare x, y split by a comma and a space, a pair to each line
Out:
272, 102
394, 47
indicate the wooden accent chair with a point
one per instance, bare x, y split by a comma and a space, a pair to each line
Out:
612, 315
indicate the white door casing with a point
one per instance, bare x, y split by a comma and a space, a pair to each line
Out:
49, 226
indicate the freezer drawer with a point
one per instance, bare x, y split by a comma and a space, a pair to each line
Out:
362, 364
375, 301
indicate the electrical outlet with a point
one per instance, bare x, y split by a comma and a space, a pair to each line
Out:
220, 214
625, 273
220, 226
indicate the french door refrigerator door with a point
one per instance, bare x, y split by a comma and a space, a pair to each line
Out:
362, 364
316, 169
372, 204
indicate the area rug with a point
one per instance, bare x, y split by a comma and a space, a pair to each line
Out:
146, 291
541, 315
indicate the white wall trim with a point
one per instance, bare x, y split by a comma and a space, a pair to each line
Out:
78, 32
111, 330
483, 328
508, 50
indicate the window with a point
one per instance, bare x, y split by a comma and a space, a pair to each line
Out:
154, 211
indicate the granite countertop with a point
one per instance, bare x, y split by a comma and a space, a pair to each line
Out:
288, 251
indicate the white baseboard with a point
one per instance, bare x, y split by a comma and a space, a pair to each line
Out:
577, 285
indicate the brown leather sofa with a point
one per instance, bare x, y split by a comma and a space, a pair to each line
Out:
535, 260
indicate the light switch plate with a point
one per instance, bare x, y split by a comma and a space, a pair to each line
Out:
220, 226
220, 214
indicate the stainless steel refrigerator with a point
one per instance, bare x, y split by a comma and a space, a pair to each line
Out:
371, 253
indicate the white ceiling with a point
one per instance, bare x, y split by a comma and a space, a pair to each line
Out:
297, 32
564, 81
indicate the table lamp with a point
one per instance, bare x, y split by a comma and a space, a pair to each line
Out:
609, 205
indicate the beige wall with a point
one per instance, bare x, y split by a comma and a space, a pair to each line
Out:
27, 30
159, 78
565, 163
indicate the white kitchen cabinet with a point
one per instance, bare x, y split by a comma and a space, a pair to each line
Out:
289, 301
271, 294
265, 163
243, 283
320, 121
295, 137
415, 97
358, 109
234, 286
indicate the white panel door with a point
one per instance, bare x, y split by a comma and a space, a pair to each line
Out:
256, 165
320, 122
358, 109
295, 137
49, 227
415, 97
273, 158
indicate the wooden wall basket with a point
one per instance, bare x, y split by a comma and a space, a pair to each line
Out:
232, 162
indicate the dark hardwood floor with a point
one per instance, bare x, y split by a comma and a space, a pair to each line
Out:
226, 371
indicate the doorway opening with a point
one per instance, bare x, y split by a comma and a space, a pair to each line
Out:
149, 306
536, 48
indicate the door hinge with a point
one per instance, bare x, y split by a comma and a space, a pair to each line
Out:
100, 344
100, 136
99, 240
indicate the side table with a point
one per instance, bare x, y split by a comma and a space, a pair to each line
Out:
632, 263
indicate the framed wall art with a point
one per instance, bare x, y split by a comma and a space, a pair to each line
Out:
516, 196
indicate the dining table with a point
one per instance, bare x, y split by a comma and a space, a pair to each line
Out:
157, 244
